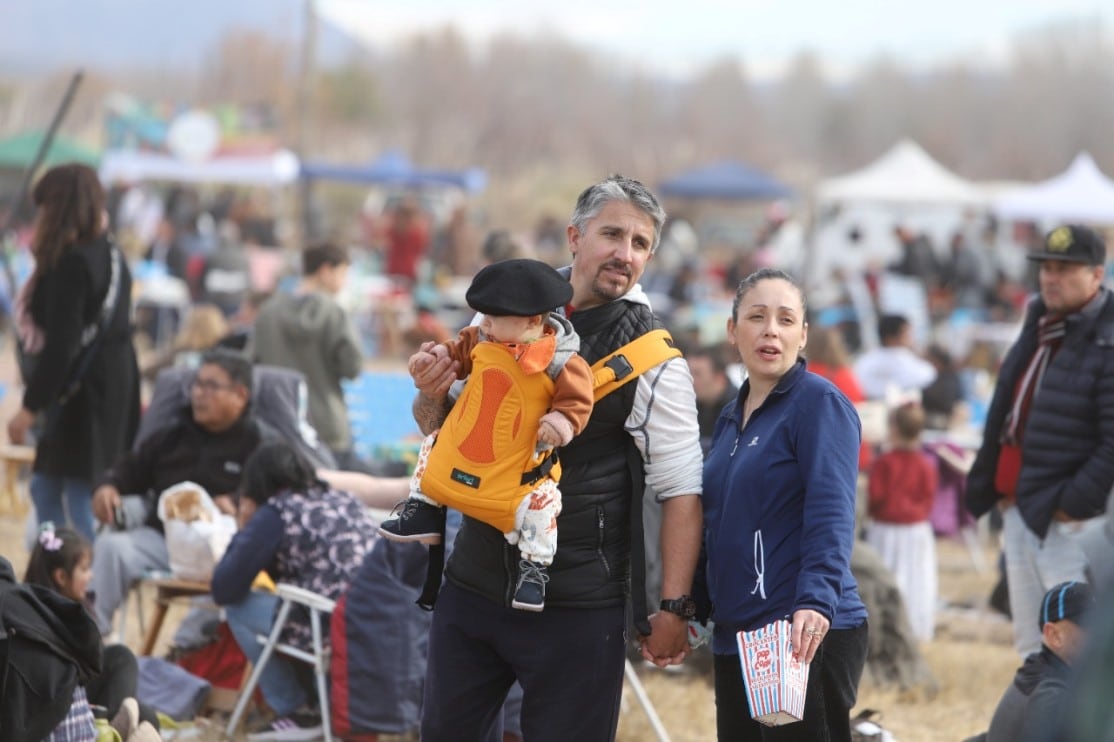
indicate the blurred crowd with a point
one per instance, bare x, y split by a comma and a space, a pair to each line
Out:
205, 260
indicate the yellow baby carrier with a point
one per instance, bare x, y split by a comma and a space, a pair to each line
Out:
474, 460
477, 465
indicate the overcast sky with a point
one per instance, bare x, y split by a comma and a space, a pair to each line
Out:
677, 36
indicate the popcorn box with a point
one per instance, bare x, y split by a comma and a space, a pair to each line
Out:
775, 681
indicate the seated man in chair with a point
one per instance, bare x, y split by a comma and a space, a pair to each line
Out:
209, 447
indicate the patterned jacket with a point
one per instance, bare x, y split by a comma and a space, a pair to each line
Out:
316, 540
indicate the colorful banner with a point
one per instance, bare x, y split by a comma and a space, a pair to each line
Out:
241, 130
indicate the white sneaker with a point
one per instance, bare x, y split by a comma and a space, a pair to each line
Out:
127, 719
145, 732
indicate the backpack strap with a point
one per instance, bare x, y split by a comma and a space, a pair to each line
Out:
91, 337
631, 361
435, 569
540, 470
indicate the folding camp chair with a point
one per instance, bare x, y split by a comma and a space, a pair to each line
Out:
319, 608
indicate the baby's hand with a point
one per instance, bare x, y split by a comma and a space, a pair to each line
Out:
432, 370
554, 429
547, 436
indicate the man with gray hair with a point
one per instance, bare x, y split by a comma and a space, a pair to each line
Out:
569, 658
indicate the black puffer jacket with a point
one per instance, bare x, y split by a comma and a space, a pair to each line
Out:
186, 452
48, 644
1067, 448
592, 564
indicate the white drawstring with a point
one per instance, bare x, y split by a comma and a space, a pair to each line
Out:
759, 566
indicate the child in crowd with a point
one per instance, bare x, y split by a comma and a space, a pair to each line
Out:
1032, 704
62, 561
527, 392
903, 483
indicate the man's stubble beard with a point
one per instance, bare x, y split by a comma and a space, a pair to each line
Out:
602, 287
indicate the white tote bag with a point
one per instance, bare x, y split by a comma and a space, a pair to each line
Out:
197, 533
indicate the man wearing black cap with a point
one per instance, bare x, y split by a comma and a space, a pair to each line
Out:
1047, 455
1039, 689
522, 367
570, 658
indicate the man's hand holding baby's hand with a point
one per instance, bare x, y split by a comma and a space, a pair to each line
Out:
433, 370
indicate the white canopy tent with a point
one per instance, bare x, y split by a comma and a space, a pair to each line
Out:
906, 174
1082, 193
857, 214
275, 169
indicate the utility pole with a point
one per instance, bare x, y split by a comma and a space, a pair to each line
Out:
306, 79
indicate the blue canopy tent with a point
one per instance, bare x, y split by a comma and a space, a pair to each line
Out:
395, 169
724, 180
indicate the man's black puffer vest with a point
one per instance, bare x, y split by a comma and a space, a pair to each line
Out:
593, 531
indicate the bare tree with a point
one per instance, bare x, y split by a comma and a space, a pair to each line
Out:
542, 113
249, 68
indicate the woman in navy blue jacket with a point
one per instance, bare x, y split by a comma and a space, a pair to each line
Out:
779, 517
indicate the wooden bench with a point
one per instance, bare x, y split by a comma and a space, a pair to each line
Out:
14, 458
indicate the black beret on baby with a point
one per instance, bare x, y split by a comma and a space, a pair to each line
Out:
518, 288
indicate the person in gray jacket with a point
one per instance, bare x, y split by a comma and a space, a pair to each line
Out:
309, 331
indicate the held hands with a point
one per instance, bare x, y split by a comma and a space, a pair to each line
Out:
668, 642
432, 370
809, 629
